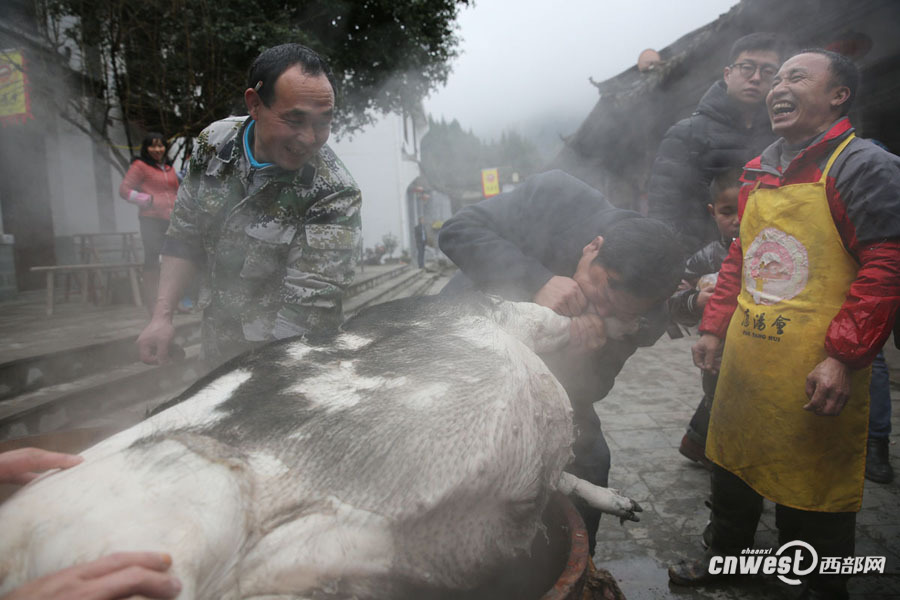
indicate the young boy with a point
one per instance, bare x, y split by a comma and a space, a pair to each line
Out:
686, 305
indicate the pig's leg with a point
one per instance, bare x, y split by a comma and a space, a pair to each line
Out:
534, 325
601, 498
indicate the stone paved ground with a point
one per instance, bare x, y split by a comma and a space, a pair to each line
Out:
643, 419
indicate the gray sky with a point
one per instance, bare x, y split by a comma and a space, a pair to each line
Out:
527, 60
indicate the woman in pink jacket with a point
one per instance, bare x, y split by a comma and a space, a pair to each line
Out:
151, 183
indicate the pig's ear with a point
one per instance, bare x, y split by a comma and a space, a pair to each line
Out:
593, 247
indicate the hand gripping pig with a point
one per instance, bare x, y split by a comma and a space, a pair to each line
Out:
415, 449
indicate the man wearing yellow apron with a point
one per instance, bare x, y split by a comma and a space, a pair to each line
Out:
804, 302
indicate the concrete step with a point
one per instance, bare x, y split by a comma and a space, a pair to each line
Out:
98, 397
383, 292
105, 383
366, 280
27, 374
31, 373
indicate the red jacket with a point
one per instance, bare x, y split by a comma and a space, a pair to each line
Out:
863, 190
156, 180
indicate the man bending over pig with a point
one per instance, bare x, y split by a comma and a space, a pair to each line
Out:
558, 242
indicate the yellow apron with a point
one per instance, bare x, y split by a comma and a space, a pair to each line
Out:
796, 273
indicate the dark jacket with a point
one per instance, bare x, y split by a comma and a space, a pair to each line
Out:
708, 259
512, 244
693, 151
863, 194
420, 235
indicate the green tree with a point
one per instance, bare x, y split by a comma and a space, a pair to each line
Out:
177, 65
390, 242
515, 153
452, 159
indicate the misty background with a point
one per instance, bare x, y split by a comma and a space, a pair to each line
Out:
526, 65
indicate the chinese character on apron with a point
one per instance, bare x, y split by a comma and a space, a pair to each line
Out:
796, 274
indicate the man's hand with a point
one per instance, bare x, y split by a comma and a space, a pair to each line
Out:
587, 333
707, 353
21, 466
828, 388
121, 575
562, 295
153, 343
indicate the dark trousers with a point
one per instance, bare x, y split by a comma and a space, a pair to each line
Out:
420, 251
592, 464
736, 509
880, 399
700, 421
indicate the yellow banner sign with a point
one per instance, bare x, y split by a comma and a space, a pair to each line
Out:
14, 102
490, 182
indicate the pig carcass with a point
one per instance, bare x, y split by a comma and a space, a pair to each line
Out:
413, 450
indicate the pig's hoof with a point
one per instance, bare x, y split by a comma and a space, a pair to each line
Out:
629, 513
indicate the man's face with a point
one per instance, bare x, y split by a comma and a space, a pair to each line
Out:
297, 124
604, 297
749, 88
804, 100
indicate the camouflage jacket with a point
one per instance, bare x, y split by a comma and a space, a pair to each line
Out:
278, 247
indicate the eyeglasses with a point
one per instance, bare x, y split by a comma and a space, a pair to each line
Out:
747, 69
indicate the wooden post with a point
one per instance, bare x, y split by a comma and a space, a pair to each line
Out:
135, 288
49, 293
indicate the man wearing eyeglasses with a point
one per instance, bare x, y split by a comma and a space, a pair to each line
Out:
729, 127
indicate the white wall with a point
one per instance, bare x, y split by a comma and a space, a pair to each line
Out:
374, 158
73, 194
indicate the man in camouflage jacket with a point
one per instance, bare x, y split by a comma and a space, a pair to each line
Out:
267, 213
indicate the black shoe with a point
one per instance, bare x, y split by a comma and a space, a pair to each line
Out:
695, 452
878, 464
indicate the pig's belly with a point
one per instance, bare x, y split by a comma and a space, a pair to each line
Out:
416, 448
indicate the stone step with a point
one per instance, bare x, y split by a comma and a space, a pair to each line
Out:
105, 383
99, 397
31, 373
366, 280
382, 292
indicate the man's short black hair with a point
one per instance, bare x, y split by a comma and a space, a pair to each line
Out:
724, 180
269, 66
645, 254
843, 72
757, 42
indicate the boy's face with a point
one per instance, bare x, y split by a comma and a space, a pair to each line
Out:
724, 211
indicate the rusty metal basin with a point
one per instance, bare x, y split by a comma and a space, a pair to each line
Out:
563, 518
557, 567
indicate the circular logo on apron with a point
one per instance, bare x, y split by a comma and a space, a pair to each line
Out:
776, 267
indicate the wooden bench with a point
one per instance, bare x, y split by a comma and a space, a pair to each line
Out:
90, 245
87, 272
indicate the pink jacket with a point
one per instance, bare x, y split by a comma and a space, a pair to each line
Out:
158, 181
